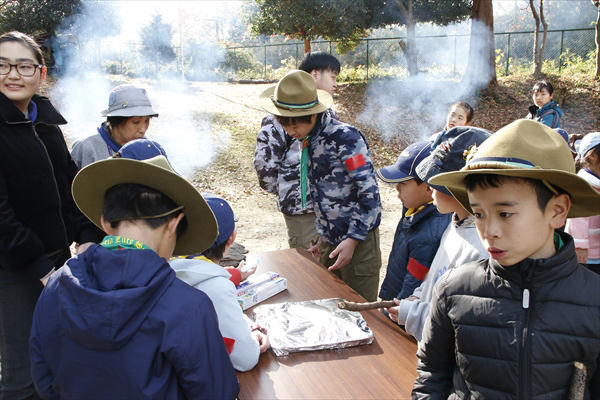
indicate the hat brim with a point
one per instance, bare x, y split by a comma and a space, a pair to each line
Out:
92, 182
266, 103
141, 111
584, 198
392, 175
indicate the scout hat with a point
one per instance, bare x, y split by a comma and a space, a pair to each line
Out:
449, 153
405, 167
295, 95
92, 182
224, 215
526, 149
129, 101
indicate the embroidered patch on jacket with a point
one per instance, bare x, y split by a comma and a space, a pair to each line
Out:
417, 269
355, 162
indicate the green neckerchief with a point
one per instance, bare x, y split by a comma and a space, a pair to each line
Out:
558, 242
304, 161
114, 243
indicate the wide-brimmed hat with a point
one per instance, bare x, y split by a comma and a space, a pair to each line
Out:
449, 153
295, 95
129, 101
526, 149
405, 167
92, 182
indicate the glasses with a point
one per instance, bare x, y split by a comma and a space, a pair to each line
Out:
24, 69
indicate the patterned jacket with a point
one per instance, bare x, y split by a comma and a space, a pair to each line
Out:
342, 182
277, 164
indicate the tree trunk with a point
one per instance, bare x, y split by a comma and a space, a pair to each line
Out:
306, 45
481, 66
537, 52
543, 48
597, 73
410, 47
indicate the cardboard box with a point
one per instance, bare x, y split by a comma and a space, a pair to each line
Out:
259, 289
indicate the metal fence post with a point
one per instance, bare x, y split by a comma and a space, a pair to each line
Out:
265, 75
454, 73
235, 60
507, 57
367, 59
562, 40
296, 55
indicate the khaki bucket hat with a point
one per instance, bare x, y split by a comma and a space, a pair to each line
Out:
92, 182
526, 149
295, 95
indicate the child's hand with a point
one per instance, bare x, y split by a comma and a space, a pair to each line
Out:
245, 275
262, 339
393, 311
314, 248
344, 252
582, 255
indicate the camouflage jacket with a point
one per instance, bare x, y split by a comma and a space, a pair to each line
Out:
277, 163
342, 181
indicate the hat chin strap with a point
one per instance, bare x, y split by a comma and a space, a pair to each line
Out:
149, 216
292, 106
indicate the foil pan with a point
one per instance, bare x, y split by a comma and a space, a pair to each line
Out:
312, 325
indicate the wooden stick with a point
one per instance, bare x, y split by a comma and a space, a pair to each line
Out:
577, 385
351, 306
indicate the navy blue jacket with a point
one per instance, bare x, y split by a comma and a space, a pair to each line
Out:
121, 325
417, 237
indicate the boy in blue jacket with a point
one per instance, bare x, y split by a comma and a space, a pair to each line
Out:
115, 322
545, 110
420, 229
336, 162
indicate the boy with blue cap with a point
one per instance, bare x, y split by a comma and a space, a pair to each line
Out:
204, 273
420, 228
459, 242
515, 324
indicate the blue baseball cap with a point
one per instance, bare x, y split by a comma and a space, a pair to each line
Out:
405, 167
588, 142
224, 215
142, 149
565, 136
449, 153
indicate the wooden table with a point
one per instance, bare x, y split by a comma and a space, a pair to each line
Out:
384, 369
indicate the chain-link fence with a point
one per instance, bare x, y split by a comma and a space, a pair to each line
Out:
441, 57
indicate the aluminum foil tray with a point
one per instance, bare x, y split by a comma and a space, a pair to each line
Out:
312, 325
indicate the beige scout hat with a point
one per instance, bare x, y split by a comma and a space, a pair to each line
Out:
92, 182
295, 95
526, 149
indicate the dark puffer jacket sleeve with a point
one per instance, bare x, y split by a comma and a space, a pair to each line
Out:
436, 352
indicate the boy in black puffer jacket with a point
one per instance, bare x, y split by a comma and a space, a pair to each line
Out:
512, 326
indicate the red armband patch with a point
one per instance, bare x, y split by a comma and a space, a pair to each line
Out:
355, 162
417, 269
229, 344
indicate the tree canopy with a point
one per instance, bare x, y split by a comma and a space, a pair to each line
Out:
309, 19
156, 40
35, 17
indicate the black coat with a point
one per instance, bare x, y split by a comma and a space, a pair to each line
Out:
37, 213
482, 342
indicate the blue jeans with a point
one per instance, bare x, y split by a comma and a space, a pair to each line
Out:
18, 296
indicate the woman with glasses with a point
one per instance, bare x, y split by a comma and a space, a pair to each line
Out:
38, 218
127, 118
